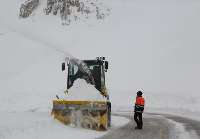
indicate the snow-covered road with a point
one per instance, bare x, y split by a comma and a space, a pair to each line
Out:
157, 127
191, 126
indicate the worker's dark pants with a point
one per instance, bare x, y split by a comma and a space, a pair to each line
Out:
138, 119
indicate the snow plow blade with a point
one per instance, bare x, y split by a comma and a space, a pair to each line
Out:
87, 114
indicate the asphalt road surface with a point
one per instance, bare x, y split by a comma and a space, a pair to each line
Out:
155, 127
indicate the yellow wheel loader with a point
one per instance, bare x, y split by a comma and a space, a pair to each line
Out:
85, 113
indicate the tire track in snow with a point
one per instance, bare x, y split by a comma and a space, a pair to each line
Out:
191, 126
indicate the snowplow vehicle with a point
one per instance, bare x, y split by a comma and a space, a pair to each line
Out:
92, 114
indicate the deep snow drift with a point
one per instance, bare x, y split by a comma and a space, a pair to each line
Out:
37, 125
83, 91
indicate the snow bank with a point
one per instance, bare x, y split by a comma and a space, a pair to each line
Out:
37, 125
117, 121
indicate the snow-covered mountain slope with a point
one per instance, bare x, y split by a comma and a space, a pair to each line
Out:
151, 45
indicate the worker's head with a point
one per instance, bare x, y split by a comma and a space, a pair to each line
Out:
139, 93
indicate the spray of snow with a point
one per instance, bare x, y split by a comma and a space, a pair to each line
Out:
76, 118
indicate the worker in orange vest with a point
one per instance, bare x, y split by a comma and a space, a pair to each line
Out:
139, 108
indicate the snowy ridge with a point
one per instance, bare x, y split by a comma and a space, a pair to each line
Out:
68, 10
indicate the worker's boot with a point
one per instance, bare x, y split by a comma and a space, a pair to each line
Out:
137, 127
140, 127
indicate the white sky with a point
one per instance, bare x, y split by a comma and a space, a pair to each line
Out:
151, 46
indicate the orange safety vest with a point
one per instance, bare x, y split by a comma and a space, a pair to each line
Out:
140, 101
